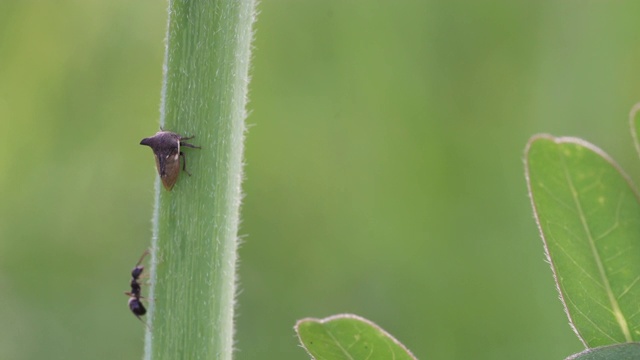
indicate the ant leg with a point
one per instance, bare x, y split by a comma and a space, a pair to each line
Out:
144, 322
145, 253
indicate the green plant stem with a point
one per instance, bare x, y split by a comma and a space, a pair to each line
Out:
193, 252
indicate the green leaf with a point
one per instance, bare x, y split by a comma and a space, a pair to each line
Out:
348, 337
589, 217
612, 352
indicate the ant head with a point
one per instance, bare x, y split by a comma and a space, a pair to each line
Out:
137, 271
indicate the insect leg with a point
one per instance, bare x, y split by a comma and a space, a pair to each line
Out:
189, 145
184, 163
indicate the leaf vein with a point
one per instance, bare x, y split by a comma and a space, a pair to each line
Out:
619, 317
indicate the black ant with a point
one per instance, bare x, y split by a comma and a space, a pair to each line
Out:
135, 295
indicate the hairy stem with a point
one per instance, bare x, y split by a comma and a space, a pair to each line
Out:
193, 253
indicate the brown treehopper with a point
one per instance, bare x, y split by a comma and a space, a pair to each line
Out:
166, 148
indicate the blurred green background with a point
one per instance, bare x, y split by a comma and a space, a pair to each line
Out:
384, 170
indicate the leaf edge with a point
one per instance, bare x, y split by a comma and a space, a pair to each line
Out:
347, 316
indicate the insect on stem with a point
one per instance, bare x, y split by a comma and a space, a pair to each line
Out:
135, 295
166, 149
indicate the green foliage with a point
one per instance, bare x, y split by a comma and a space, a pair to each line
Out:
589, 216
383, 163
621, 352
588, 213
349, 337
